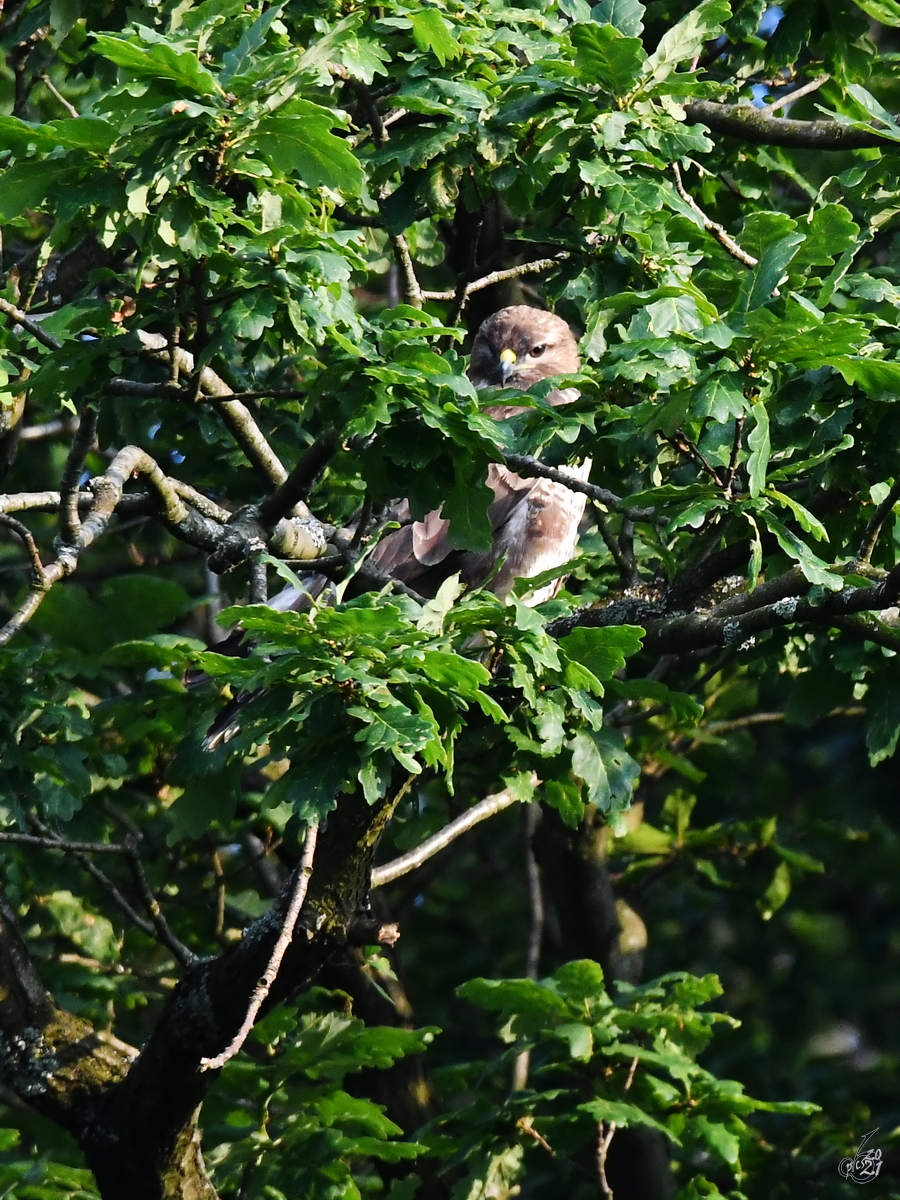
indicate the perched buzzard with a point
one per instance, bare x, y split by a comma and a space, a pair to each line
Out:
534, 521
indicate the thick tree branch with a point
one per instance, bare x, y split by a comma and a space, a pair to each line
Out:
739, 619
52, 1059
752, 125
143, 1121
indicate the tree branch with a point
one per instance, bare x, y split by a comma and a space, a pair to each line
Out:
738, 619
535, 928
49, 85
69, 520
414, 294
796, 94
718, 231
165, 391
264, 986
137, 1122
237, 416
37, 567
410, 861
30, 325
164, 934
37, 433
529, 268
296, 486
51, 842
623, 560
873, 529
53, 1060
531, 467
752, 125
100, 877
231, 543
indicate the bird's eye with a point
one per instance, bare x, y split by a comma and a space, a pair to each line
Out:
537, 351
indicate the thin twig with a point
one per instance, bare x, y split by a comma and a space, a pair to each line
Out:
626, 542
812, 86
735, 455
262, 989
118, 385
529, 268
25, 534
612, 544
535, 894
101, 878
718, 231
443, 838
873, 529
525, 1125
362, 524
163, 930
219, 877
366, 569
604, 1139
50, 842
695, 452
237, 416
70, 108
605, 1135
530, 467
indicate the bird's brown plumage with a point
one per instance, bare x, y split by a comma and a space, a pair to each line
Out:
534, 521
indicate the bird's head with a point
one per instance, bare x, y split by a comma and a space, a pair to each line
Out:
518, 346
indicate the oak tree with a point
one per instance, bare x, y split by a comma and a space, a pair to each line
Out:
245, 246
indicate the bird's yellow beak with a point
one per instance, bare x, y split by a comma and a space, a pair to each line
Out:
507, 363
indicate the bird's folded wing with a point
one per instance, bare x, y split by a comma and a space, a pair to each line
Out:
421, 553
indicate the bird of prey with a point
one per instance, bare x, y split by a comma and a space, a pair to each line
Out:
534, 521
